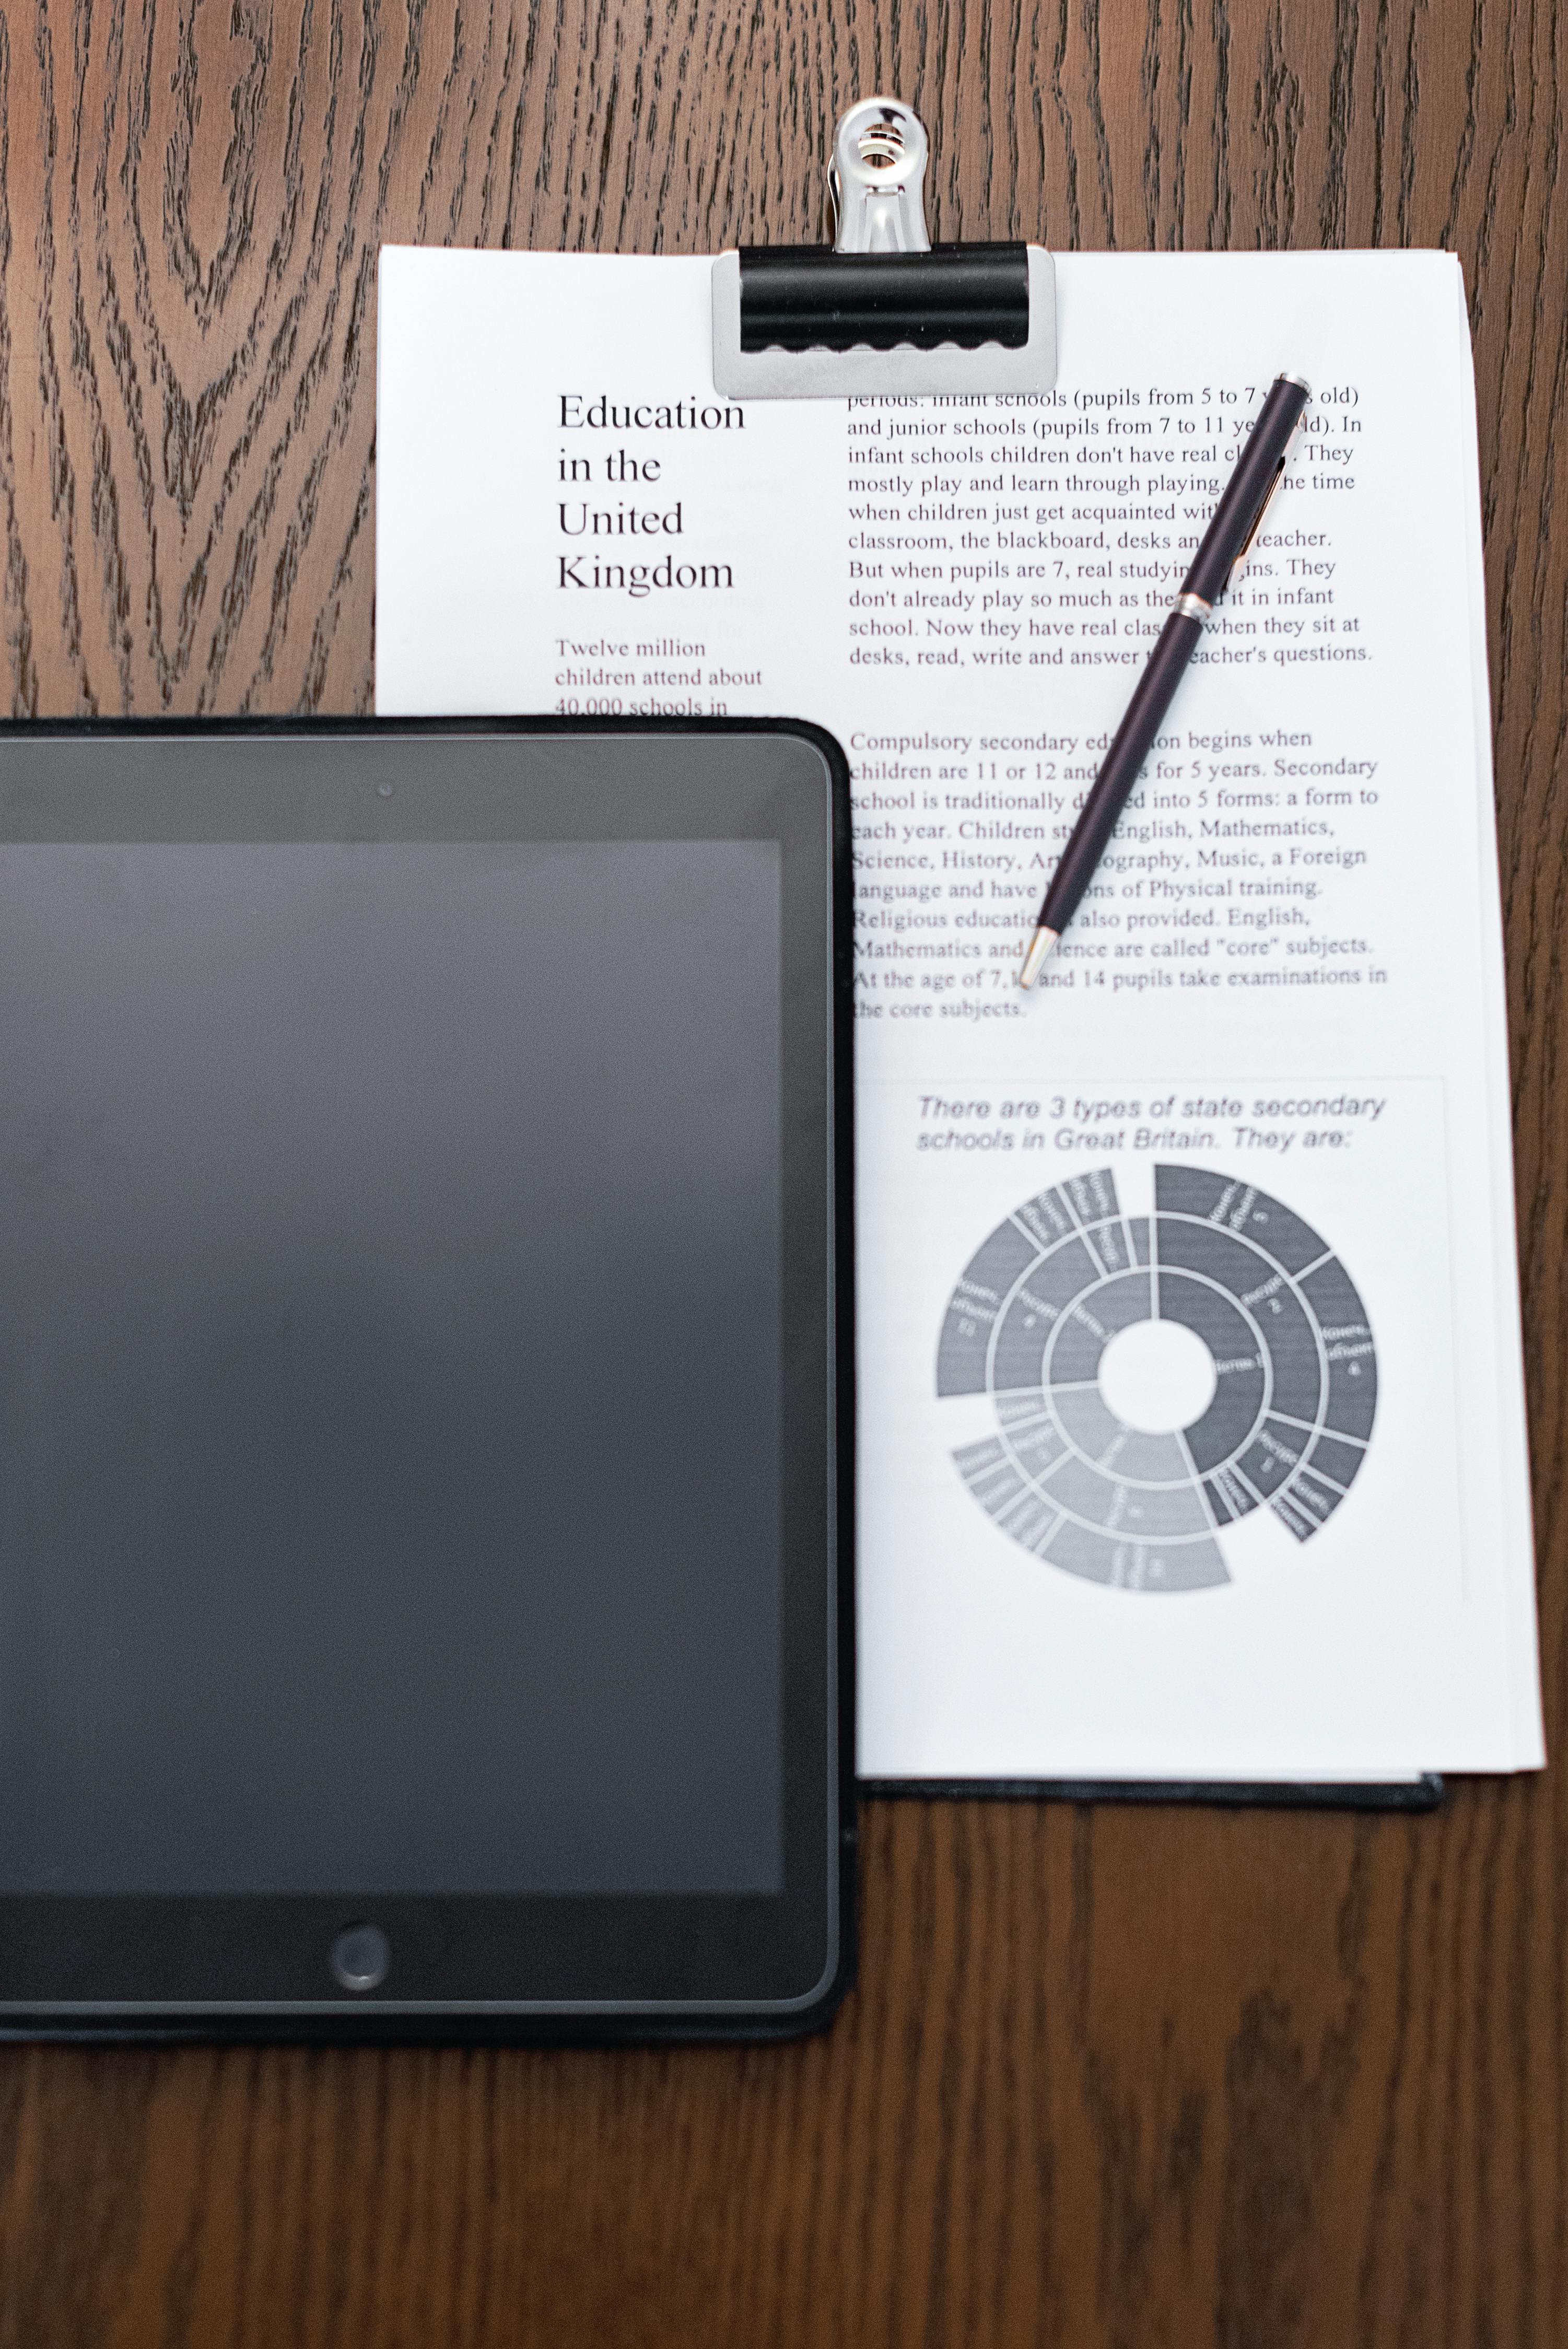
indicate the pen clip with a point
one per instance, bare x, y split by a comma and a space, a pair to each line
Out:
1245, 547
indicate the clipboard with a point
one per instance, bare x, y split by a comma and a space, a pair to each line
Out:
966, 1675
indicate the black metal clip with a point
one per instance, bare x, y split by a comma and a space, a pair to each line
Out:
884, 311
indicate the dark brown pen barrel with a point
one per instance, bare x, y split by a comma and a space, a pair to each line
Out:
1129, 748
1247, 488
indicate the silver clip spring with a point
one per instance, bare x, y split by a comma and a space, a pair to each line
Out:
877, 178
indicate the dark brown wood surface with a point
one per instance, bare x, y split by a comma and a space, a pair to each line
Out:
1143, 2079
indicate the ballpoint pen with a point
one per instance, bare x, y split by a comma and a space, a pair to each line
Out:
1237, 520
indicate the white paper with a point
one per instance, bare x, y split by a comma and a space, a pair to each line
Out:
1280, 1012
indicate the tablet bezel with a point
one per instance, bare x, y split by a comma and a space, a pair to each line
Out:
520, 1965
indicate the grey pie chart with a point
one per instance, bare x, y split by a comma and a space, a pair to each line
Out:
1034, 1321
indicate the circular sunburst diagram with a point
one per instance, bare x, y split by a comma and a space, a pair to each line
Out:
1154, 1378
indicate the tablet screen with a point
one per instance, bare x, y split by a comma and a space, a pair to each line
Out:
389, 1250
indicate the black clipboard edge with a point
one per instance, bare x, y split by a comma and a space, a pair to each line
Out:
1423, 1794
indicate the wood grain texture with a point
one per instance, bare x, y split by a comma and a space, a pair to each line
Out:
1121, 2078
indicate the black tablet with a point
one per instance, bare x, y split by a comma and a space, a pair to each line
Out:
426, 1368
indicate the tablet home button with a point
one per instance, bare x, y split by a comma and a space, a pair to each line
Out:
360, 1957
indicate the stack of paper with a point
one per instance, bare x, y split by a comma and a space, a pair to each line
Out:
1191, 1435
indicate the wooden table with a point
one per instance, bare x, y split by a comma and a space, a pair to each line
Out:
1111, 2076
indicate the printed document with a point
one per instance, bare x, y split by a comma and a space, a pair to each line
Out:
1191, 1417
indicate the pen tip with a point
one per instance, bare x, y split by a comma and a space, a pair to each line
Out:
1040, 949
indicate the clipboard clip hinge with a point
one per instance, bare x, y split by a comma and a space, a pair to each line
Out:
877, 178
883, 310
